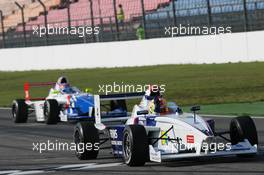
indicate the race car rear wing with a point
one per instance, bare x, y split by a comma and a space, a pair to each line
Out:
28, 85
123, 96
97, 106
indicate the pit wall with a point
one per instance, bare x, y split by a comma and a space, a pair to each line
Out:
237, 47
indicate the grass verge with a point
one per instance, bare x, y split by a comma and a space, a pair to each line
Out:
186, 84
253, 109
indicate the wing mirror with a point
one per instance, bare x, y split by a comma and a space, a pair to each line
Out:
144, 112
195, 108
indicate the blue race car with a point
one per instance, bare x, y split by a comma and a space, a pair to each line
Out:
64, 103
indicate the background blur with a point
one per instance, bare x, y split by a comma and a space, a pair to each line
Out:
18, 18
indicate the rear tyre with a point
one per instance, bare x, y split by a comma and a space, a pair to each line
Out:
51, 111
135, 145
19, 111
85, 134
241, 128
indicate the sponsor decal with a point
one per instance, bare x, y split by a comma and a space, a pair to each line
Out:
190, 138
164, 140
113, 134
118, 143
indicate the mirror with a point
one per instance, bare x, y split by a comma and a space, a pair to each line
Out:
144, 112
195, 108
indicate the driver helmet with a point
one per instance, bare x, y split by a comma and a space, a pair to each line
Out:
152, 92
163, 106
62, 83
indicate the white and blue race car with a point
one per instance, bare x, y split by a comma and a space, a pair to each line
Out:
63, 103
159, 136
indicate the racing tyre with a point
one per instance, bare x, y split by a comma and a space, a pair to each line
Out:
241, 128
19, 111
51, 111
85, 134
135, 145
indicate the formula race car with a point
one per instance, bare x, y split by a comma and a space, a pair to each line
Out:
64, 103
166, 133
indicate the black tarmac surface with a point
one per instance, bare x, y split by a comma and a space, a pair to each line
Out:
18, 157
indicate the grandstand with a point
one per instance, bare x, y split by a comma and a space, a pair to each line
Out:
8, 7
32, 9
241, 15
80, 13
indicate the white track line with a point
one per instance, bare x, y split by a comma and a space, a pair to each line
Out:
9, 171
99, 166
74, 166
5, 108
28, 172
204, 115
71, 167
228, 116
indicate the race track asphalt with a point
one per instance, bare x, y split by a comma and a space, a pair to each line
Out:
17, 155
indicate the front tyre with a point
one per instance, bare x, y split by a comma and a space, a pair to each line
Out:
86, 139
19, 111
51, 111
135, 145
242, 128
